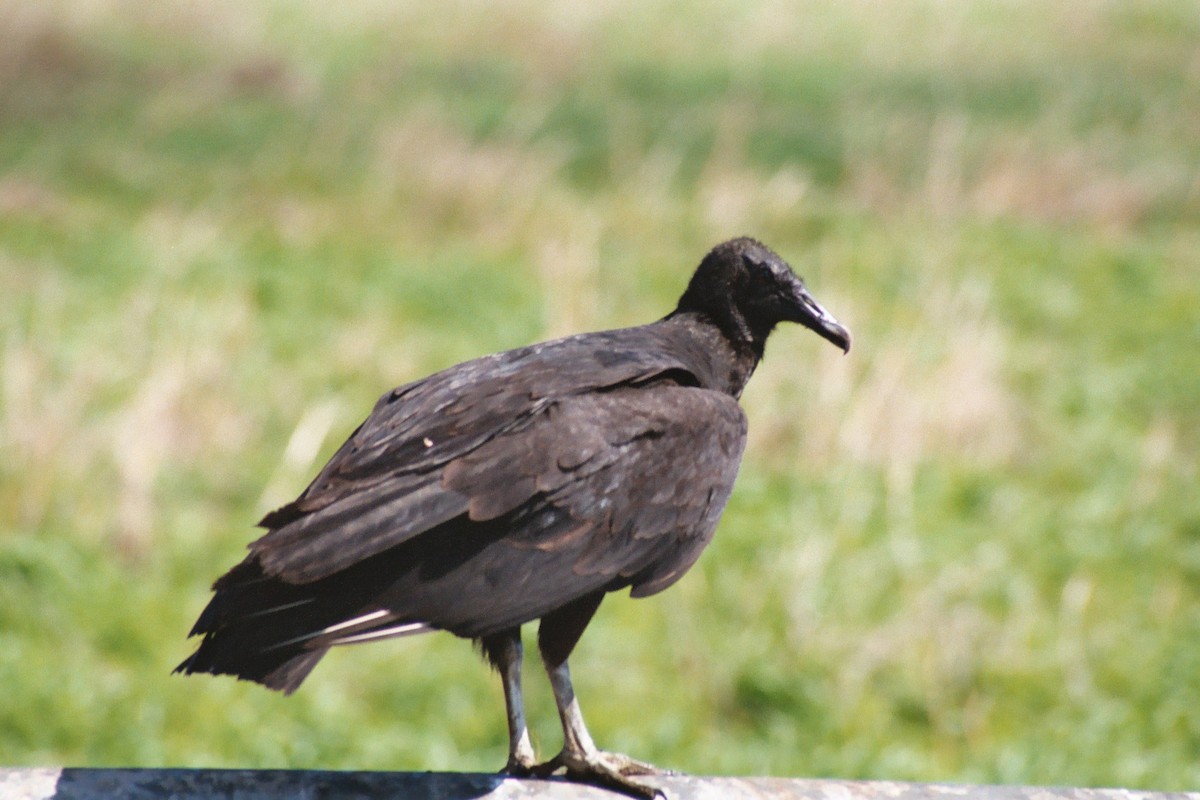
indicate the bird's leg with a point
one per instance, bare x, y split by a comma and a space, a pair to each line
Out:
505, 651
580, 757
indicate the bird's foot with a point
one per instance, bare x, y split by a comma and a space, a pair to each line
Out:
609, 770
521, 765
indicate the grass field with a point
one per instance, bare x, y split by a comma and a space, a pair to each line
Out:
969, 551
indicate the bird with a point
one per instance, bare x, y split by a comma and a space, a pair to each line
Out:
515, 487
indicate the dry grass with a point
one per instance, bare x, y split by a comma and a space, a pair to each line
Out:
927, 386
430, 170
1013, 178
225, 227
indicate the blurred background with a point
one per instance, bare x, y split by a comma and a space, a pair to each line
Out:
968, 551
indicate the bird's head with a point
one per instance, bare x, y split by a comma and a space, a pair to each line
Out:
746, 289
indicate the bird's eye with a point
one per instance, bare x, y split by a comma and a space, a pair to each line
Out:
759, 269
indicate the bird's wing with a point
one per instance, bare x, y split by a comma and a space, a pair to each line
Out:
633, 480
388, 482
603, 490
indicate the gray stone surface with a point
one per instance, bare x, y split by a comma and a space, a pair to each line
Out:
72, 783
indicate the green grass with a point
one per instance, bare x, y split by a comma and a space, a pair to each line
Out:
970, 551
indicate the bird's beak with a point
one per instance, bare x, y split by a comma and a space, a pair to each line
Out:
809, 313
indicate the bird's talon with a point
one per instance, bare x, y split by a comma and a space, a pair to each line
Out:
516, 770
613, 771
548, 768
520, 766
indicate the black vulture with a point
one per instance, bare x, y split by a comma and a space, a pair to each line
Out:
516, 487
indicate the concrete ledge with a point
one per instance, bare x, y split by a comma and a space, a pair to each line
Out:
71, 783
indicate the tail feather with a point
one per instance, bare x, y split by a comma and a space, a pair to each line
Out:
273, 629
263, 629
283, 674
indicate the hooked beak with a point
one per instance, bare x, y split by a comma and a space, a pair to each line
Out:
809, 313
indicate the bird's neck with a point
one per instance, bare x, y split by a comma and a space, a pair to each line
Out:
719, 362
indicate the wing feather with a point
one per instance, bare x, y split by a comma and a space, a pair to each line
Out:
606, 523
454, 443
